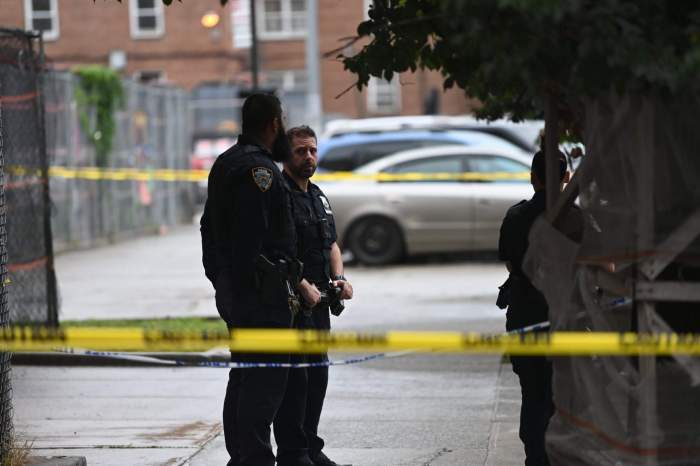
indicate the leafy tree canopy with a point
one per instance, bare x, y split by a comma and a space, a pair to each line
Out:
511, 54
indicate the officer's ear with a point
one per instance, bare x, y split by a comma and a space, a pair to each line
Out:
567, 177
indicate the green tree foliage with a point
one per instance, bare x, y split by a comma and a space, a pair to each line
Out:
512, 54
98, 95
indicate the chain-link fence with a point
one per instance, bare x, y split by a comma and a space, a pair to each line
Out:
32, 283
27, 280
5, 367
152, 132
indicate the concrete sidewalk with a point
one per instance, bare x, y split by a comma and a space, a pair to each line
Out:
414, 410
411, 411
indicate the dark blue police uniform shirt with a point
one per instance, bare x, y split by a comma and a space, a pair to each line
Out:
315, 227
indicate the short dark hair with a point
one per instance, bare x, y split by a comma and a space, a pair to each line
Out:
258, 112
539, 166
301, 132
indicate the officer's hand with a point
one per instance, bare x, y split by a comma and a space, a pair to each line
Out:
347, 288
310, 293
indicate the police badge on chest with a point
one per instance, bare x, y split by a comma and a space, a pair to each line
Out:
326, 205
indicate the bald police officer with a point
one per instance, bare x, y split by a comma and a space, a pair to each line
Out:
249, 250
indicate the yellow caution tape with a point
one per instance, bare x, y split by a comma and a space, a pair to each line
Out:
111, 174
128, 174
28, 339
133, 174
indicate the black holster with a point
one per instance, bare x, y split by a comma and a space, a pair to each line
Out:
281, 276
504, 292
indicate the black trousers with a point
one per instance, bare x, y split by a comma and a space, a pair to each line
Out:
317, 383
257, 397
292, 447
535, 374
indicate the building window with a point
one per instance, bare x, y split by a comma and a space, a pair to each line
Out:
384, 96
240, 21
146, 19
287, 80
281, 19
42, 15
149, 76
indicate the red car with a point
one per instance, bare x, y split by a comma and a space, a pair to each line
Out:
205, 150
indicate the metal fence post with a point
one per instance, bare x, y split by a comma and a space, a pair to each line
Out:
6, 426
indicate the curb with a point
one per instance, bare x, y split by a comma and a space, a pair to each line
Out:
56, 461
49, 358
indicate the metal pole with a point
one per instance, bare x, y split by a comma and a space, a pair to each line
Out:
6, 425
313, 67
648, 411
253, 46
51, 286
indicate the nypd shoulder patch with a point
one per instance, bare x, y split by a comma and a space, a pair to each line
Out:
262, 176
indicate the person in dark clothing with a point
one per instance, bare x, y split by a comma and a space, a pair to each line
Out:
323, 267
527, 306
247, 222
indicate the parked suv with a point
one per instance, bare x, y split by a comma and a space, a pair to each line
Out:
347, 152
524, 134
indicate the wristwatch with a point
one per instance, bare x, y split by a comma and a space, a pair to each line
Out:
340, 277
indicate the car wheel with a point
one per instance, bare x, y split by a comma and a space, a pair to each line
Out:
376, 241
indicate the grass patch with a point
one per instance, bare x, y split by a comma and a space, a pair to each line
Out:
180, 323
18, 453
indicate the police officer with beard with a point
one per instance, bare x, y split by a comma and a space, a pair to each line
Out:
323, 269
249, 250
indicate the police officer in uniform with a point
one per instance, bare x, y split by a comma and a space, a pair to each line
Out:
323, 269
527, 306
249, 250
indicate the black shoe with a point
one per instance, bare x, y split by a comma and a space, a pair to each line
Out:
304, 461
323, 460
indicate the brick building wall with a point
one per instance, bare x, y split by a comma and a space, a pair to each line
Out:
187, 53
338, 19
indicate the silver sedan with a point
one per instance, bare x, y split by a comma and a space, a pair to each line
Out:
429, 200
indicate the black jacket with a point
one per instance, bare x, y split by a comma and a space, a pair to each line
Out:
527, 305
247, 213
